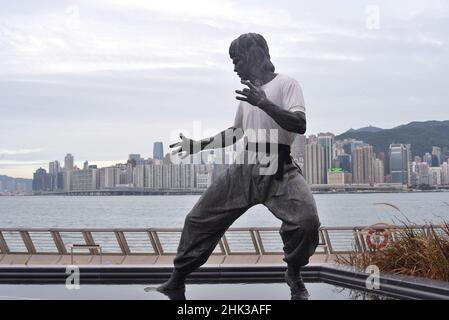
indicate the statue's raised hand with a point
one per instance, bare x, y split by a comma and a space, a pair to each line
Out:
185, 147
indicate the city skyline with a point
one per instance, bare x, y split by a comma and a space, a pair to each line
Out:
323, 159
104, 78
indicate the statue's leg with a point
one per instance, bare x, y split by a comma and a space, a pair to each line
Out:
291, 201
219, 206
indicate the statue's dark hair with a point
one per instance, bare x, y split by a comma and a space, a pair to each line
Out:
250, 43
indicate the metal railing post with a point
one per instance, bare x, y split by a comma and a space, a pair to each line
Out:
28, 242
121, 239
89, 239
59, 243
327, 240
257, 242
155, 242
3, 245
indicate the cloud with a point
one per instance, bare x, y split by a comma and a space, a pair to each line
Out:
102, 79
19, 151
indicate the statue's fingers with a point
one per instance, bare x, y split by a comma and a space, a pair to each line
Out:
243, 93
242, 99
177, 144
249, 84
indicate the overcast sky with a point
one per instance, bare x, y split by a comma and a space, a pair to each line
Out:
102, 79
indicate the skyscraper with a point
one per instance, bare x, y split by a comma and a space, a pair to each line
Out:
41, 180
362, 165
436, 153
379, 173
54, 168
326, 140
69, 162
314, 164
158, 151
399, 163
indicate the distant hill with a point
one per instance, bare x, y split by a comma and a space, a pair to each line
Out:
421, 135
365, 129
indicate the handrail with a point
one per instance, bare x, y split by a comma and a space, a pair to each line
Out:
163, 241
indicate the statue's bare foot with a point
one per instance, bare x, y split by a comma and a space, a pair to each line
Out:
297, 287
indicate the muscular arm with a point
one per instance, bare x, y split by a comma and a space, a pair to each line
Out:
288, 120
223, 139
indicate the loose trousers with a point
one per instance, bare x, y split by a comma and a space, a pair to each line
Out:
237, 189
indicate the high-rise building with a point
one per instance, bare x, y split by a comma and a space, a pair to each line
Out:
436, 156
54, 170
85, 180
379, 173
427, 158
314, 164
158, 151
42, 180
435, 176
445, 173
326, 141
362, 165
69, 162
336, 176
399, 163
423, 174
139, 176
344, 162
107, 177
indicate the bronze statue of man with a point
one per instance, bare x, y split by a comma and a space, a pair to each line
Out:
271, 102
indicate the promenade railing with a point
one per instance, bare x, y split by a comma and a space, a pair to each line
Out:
164, 241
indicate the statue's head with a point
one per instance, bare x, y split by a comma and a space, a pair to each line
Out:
250, 56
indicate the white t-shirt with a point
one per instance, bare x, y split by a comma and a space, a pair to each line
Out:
284, 92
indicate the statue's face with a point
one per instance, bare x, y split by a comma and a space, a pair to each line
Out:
247, 66
241, 67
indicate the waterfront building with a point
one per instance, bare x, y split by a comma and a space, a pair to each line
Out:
362, 165
336, 176
379, 173
42, 181
344, 161
445, 173
85, 180
69, 162
314, 164
423, 173
399, 163
107, 177
436, 156
203, 180
326, 140
427, 158
54, 170
187, 176
158, 151
139, 176
435, 176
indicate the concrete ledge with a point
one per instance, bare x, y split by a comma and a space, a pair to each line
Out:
140, 259
15, 259
401, 287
